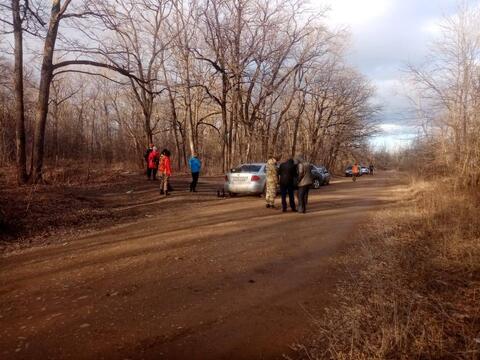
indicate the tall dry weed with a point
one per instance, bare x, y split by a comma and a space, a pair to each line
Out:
413, 284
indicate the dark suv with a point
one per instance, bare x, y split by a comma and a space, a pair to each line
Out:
321, 176
348, 170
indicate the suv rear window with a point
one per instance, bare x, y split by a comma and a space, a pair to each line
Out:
247, 169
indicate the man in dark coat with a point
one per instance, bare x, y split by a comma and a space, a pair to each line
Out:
287, 173
146, 156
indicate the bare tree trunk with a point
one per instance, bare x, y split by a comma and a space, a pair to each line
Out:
55, 135
21, 156
184, 148
225, 149
177, 144
147, 115
189, 122
44, 92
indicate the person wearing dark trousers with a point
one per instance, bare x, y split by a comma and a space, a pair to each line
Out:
305, 180
145, 156
153, 160
195, 166
287, 173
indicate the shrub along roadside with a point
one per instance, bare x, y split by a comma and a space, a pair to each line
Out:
413, 284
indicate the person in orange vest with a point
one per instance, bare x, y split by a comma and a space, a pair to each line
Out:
355, 170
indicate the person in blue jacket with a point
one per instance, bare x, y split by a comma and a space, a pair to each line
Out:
195, 166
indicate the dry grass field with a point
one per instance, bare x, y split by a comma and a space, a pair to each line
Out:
413, 290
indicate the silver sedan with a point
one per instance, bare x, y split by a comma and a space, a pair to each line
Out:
246, 179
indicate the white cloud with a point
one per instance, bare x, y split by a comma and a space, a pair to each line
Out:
355, 12
391, 143
432, 27
390, 128
388, 87
394, 136
398, 131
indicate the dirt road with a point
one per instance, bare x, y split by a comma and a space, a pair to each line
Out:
223, 279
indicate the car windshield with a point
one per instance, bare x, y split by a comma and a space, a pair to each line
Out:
247, 169
349, 167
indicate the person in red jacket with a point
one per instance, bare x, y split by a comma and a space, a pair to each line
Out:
165, 171
153, 160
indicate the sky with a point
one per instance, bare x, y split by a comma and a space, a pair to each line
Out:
386, 35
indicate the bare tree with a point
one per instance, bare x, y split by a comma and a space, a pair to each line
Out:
21, 155
448, 88
25, 18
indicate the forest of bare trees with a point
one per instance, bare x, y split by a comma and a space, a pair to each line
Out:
96, 81
447, 98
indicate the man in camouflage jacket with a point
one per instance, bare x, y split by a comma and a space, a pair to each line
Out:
272, 182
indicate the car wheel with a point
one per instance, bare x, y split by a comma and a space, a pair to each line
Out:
232, 194
316, 183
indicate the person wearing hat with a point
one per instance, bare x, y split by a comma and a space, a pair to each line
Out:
271, 182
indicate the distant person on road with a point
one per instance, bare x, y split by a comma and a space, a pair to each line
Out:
153, 162
195, 166
371, 168
288, 174
305, 180
165, 171
271, 182
355, 171
145, 156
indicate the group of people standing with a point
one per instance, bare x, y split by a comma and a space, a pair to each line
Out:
292, 174
159, 163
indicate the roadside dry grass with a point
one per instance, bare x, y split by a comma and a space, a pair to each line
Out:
412, 289
32, 213
70, 199
72, 203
